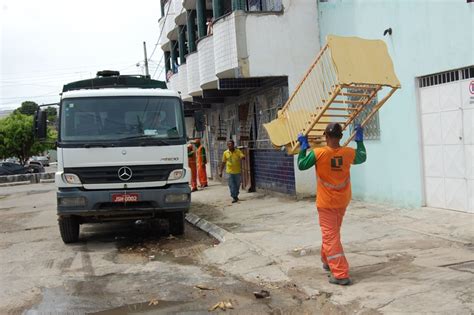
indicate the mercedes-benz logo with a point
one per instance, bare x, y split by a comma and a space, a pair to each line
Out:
125, 173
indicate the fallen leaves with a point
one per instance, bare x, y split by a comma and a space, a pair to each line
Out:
153, 302
223, 305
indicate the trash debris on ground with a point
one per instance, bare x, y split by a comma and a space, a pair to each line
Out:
203, 287
223, 305
171, 237
261, 294
153, 302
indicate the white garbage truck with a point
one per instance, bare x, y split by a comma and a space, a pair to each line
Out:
121, 153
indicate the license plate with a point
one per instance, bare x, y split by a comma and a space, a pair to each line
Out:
125, 197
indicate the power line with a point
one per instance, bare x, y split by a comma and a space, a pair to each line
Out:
52, 79
32, 96
158, 66
161, 31
172, 48
59, 69
29, 84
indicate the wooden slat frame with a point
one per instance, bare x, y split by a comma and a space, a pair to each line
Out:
326, 84
350, 117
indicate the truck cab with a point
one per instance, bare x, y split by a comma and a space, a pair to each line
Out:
121, 153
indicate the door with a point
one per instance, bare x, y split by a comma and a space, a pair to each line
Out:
447, 112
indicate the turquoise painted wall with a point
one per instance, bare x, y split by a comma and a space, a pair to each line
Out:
428, 37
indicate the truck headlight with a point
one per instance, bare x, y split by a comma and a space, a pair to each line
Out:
176, 198
177, 174
72, 179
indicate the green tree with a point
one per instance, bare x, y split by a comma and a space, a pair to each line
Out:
52, 114
17, 139
27, 108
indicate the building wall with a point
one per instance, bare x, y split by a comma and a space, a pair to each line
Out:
287, 45
272, 169
428, 37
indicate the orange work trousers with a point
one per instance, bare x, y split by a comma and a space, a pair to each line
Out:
193, 183
332, 253
202, 174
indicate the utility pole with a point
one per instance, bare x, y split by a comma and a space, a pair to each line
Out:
146, 61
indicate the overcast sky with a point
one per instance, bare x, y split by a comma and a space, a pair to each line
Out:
47, 43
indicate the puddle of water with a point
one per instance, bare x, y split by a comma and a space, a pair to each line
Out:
59, 300
151, 307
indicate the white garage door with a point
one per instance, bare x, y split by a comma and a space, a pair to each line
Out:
448, 144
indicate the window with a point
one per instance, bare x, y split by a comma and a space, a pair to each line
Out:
372, 128
264, 5
119, 118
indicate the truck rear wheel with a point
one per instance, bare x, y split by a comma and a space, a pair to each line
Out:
176, 223
69, 229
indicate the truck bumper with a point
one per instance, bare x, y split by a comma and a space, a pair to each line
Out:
100, 204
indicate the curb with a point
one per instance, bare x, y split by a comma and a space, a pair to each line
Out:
208, 227
14, 184
21, 179
222, 235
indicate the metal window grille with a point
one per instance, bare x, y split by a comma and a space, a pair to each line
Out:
265, 116
446, 77
372, 128
222, 130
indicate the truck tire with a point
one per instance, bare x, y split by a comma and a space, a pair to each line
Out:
176, 223
69, 229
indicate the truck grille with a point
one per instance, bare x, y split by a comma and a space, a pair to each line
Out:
109, 174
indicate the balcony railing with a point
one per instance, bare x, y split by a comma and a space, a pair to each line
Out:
207, 70
168, 25
225, 46
182, 82
192, 62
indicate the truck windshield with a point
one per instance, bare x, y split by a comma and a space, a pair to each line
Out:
121, 118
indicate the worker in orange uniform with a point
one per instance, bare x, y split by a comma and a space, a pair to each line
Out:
333, 193
201, 163
192, 166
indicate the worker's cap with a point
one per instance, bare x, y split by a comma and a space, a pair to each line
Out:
333, 130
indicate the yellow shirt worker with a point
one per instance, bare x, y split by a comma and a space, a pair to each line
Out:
231, 160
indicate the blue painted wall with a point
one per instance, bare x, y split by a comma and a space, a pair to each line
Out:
428, 37
273, 170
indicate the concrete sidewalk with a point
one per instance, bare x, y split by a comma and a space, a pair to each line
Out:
402, 261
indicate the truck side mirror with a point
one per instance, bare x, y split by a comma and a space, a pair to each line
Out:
40, 124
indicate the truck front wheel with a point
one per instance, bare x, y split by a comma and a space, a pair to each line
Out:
69, 229
176, 223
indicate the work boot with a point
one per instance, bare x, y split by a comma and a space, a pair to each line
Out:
343, 281
235, 200
326, 267
194, 189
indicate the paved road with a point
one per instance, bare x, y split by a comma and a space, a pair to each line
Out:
115, 268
